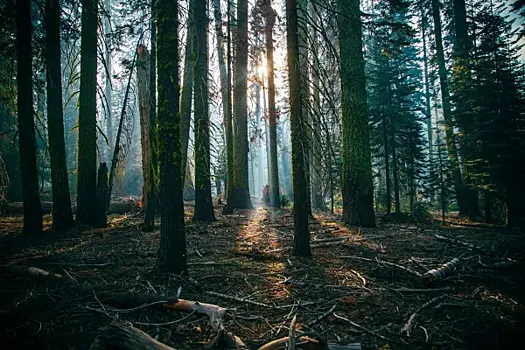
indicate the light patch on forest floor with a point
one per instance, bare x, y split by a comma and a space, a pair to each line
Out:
247, 256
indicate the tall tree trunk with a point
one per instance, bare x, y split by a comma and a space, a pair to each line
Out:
203, 201
144, 97
108, 93
228, 119
428, 113
357, 186
395, 174
462, 84
187, 88
302, 14
152, 198
26, 123
172, 251
301, 244
87, 132
240, 194
270, 16
386, 146
62, 216
317, 157
447, 111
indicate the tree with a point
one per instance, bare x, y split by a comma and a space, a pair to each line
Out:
301, 245
144, 97
270, 15
172, 251
152, 198
26, 123
358, 206
87, 133
62, 216
447, 111
107, 89
239, 194
203, 200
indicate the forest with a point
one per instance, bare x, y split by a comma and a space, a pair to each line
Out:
298, 174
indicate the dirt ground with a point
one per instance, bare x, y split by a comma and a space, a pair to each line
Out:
108, 272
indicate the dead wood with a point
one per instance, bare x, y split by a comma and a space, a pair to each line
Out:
340, 241
441, 272
421, 290
407, 328
458, 242
240, 300
321, 317
32, 272
388, 263
364, 329
118, 336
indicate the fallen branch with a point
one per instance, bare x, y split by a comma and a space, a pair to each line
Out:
241, 300
364, 329
388, 263
456, 241
80, 265
313, 245
422, 290
321, 317
441, 272
407, 328
32, 271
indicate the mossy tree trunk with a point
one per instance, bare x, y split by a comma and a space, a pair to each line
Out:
203, 200
87, 132
357, 186
238, 192
62, 216
172, 251
301, 246
26, 123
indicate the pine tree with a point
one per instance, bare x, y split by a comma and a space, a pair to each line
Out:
301, 246
203, 201
358, 206
172, 251
26, 123
62, 216
87, 133
239, 194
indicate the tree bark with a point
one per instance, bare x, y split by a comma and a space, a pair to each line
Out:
302, 11
239, 197
108, 93
62, 216
87, 133
153, 198
270, 16
187, 87
203, 201
357, 186
26, 123
102, 194
146, 126
172, 251
301, 246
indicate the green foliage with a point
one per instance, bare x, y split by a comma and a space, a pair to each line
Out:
285, 201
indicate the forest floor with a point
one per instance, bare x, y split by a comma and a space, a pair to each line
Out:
247, 258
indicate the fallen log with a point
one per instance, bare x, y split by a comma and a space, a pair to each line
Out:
32, 272
308, 343
118, 336
407, 328
458, 242
441, 272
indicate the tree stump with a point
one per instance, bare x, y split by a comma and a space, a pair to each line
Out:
101, 219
